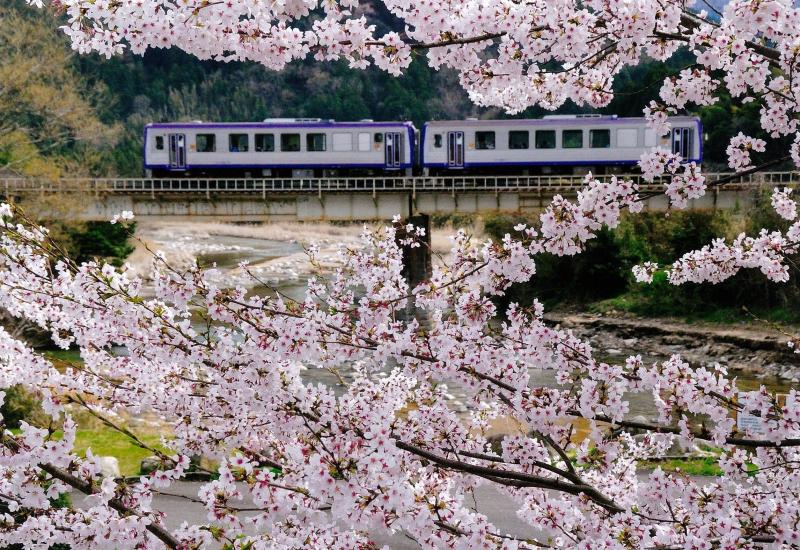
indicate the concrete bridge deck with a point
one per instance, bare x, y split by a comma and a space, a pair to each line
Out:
367, 198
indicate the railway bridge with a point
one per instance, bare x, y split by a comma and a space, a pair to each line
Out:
348, 199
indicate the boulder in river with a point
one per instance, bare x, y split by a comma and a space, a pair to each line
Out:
109, 466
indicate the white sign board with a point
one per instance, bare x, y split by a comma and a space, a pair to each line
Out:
750, 423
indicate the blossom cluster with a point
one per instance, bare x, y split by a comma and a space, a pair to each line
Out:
783, 204
387, 450
684, 180
739, 151
770, 252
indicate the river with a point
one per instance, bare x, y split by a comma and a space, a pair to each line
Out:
276, 255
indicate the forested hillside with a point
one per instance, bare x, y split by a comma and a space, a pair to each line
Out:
94, 123
50, 115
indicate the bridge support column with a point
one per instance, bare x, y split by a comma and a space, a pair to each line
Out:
417, 266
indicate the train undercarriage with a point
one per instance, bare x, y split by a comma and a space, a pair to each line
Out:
287, 173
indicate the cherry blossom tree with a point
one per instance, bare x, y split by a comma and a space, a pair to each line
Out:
304, 465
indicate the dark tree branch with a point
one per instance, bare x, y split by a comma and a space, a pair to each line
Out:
655, 428
87, 488
457, 41
516, 479
692, 21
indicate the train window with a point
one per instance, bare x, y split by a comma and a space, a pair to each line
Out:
437, 141
316, 142
342, 142
572, 139
518, 139
600, 139
545, 139
650, 138
205, 143
290, 142
378, 138
160, 143
265, 143
364, 142
627, 137
484, 140
238, 143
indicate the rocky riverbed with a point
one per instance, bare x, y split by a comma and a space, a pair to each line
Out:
752, 351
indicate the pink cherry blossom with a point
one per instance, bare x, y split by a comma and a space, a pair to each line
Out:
783, 204
385, 450
739, 151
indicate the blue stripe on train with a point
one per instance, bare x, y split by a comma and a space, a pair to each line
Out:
274, 167
553, 163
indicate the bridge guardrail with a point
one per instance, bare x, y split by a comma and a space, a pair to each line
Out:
417, 184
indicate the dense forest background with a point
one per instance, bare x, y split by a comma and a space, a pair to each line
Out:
65, 114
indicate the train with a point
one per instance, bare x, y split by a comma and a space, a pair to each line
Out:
316, 148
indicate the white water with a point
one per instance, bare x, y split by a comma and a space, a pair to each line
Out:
275, 252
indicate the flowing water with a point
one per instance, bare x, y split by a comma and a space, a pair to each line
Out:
275, 253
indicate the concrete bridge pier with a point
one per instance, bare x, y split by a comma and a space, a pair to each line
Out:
417, 266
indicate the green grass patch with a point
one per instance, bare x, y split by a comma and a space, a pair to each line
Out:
642, 305
694, 465
457, 221
72, 356
700, 466
109, 442
105, 441
625, 303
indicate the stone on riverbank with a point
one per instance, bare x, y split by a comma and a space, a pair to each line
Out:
109, 466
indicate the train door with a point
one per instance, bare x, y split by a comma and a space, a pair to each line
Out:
392, 146
455, 149
177, 151
682, 142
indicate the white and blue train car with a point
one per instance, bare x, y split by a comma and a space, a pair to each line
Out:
551, 145
279, 148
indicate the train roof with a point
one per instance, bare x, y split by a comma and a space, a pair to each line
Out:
280, 123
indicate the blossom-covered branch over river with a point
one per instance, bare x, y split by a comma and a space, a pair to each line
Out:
323, 469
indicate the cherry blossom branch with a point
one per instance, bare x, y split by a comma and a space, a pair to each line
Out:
88, 489
656, 428
443, 43
512, 478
